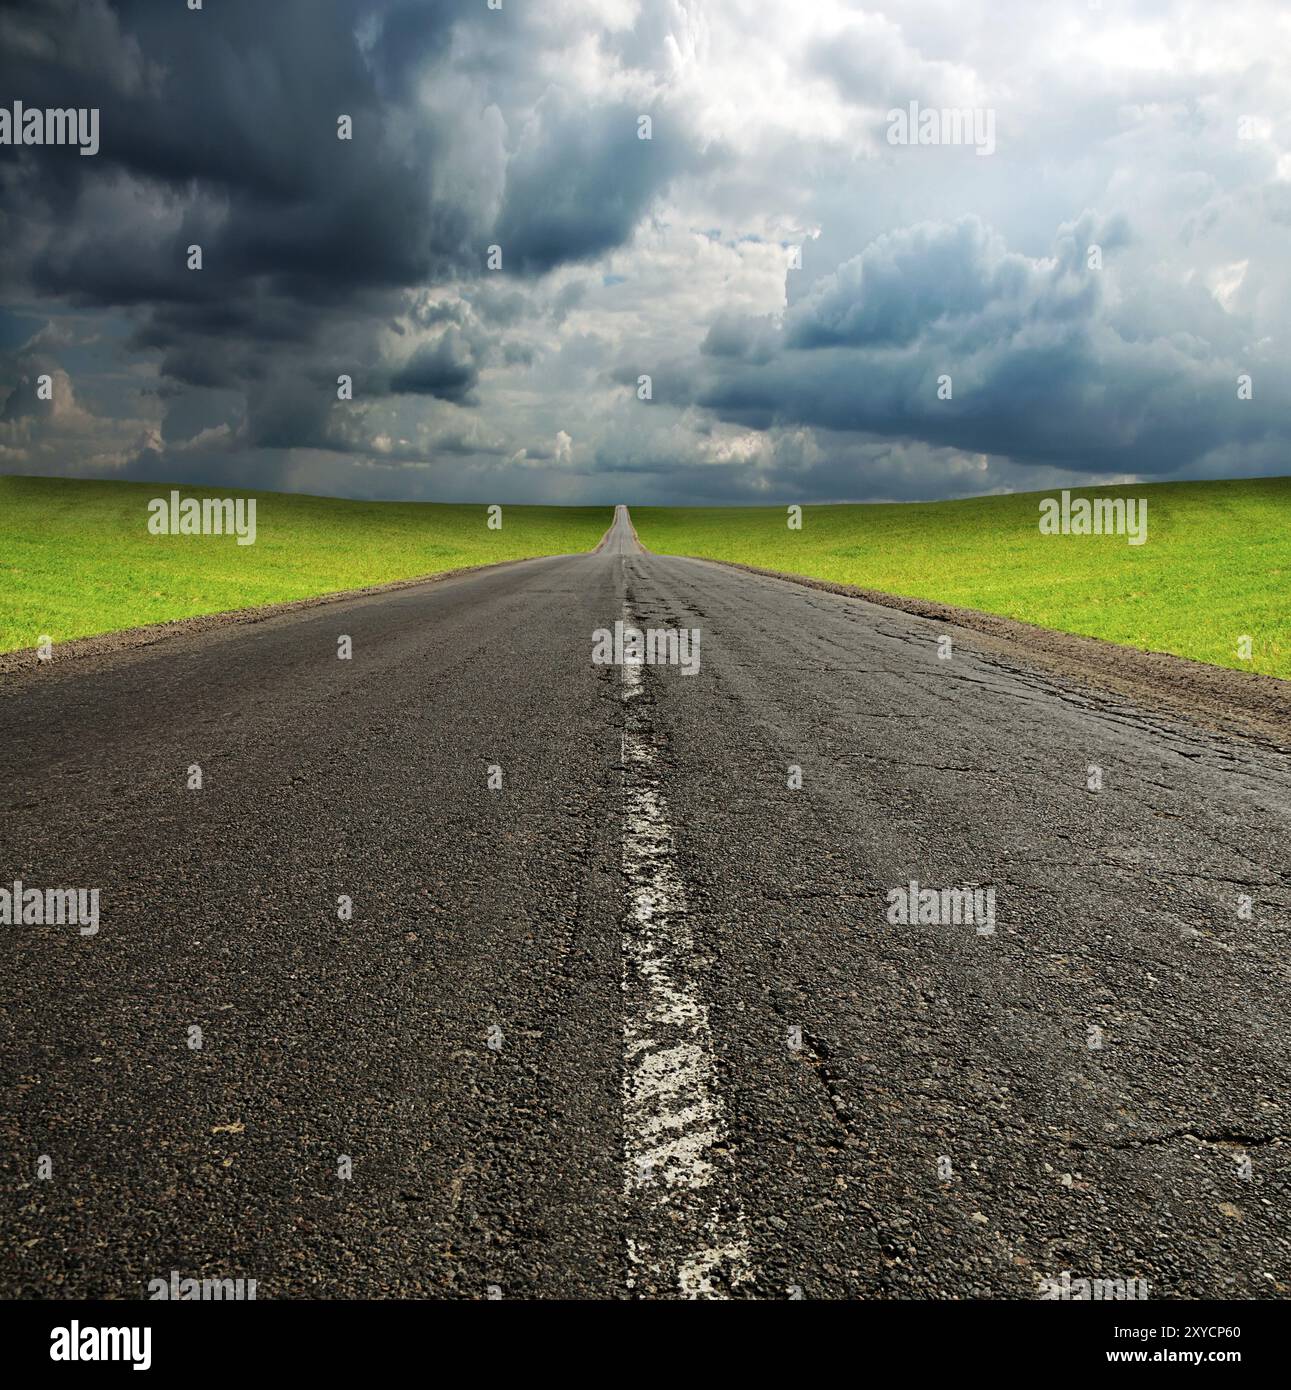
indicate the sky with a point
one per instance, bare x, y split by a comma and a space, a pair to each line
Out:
777, 297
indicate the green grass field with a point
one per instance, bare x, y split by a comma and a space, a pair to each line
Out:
76, 558
1216, 564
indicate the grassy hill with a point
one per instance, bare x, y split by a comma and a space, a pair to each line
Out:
76, 558
1216, 564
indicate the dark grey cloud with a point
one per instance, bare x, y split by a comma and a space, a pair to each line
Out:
754, 340
581, 181
1044, 365
447, 369
219, 129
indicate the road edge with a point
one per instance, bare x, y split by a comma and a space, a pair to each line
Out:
1243, 702
24, 659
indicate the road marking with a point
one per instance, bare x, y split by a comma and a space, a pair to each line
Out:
678, 1180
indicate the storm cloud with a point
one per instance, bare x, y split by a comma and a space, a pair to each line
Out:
498, 256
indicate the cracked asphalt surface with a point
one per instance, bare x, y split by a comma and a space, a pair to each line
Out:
945, 1129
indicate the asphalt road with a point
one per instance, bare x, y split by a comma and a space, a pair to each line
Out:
635, 1022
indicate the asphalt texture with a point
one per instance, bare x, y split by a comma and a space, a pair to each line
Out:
1098, 1087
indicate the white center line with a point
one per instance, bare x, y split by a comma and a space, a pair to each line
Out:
678, 1175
